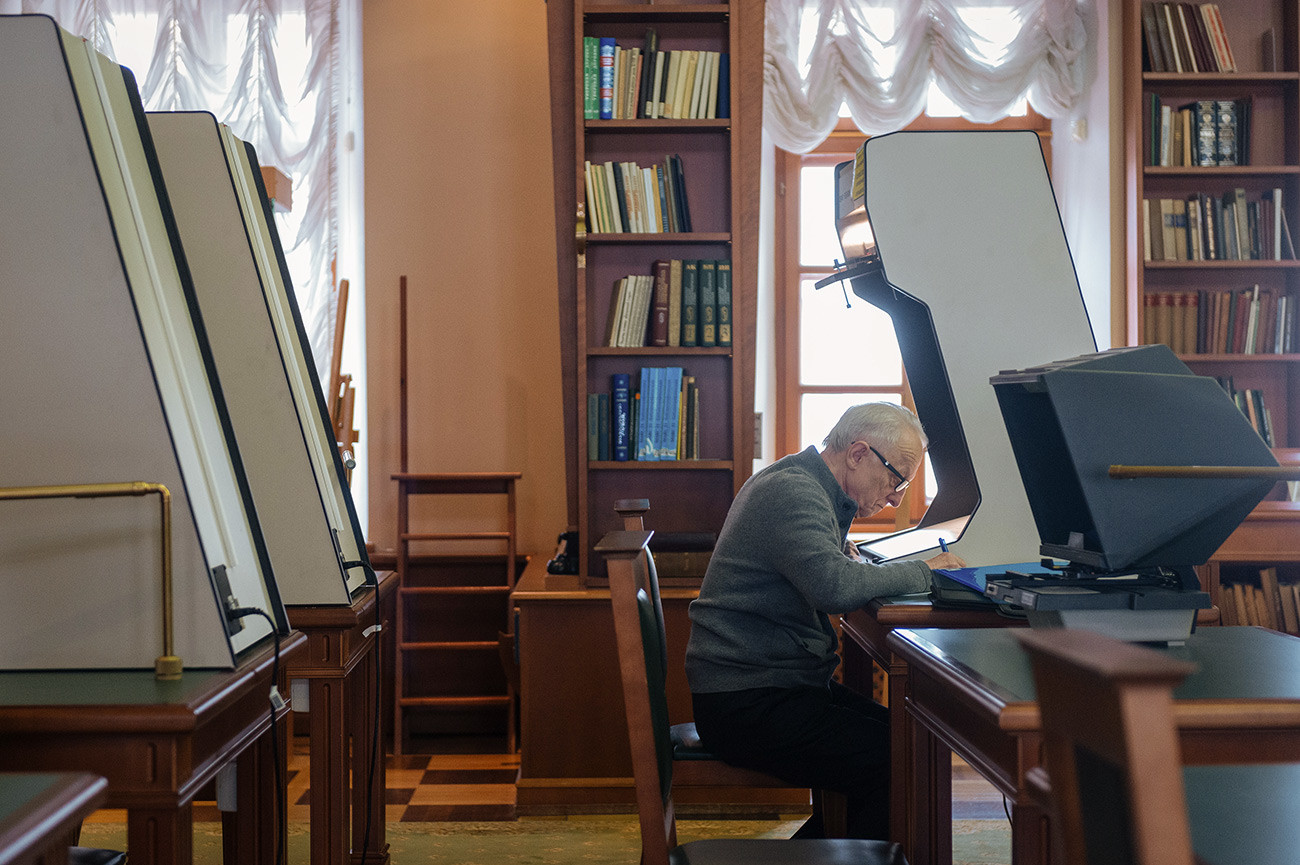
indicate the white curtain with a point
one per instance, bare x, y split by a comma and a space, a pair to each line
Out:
880, 56
267, 68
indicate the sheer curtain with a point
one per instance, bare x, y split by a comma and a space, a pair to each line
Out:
271, 70
881, 57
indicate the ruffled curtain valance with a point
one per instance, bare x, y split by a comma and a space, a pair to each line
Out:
879, 57
267, 68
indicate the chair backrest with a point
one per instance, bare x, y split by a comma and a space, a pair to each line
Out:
632, 513
639, 634
1111, 748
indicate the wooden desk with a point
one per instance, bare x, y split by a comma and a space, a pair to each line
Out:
864, 635
972, 691
158, 743
41, 813
343, 693
575, 756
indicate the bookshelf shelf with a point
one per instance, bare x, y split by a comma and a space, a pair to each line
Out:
1218, 171
659, 237
1248, 264
1265, 95
715, 157
666, 465
656, 351
658, 124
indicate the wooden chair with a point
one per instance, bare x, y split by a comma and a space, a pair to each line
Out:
699, 765
1111, 748
640, 637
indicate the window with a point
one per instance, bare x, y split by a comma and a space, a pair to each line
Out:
829, 357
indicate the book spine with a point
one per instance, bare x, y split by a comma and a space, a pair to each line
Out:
670, 401
606, 77
724, 302
603, 428
590, 77
621, 404
708, 303
648, 51
675, 302
644, 448
679, 187
724, 86
690, 302
593, 426
659, 311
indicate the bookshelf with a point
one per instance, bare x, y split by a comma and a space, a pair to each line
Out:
719, 159
1264, 89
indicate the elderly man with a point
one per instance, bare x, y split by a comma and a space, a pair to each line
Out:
762, 649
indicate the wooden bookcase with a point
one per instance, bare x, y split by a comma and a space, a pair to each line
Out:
1273, 91
720, 159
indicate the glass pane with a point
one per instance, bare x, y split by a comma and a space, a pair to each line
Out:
818, 412
845, 347
819, 244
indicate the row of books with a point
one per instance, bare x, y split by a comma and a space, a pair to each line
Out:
626, 82
1209, 227
651, 417
1271, 604
1205, 133
623, 197
1185, 37
1250, 401
682, 302
1240, 321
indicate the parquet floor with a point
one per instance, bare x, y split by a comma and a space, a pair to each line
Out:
480, 787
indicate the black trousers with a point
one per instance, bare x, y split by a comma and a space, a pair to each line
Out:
829, 738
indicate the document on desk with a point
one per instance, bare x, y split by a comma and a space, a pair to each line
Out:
977, 578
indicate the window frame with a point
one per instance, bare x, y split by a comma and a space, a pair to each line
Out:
790, 273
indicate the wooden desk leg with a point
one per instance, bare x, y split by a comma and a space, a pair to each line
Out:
931, 799
251, 834
327, 770
160, 836
901, 759
363, 692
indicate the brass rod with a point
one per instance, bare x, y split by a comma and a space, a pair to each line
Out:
1277, 473
167, 666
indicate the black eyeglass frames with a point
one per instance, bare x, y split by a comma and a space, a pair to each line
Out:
902, 481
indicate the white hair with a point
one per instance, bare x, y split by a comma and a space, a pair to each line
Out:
883, 423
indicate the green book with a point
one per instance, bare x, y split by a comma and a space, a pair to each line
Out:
724, 302
590, 77
593, 426
708, 302
690, 302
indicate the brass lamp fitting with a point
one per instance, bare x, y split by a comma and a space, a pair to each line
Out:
168, 666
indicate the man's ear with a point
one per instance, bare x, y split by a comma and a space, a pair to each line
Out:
857, 452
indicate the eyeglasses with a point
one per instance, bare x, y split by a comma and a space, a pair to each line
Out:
902, 481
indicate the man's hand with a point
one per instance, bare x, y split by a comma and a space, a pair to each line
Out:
946, 560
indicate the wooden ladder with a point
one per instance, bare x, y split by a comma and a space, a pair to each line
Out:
412, 642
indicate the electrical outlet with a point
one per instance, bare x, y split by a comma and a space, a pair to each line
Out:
758, 434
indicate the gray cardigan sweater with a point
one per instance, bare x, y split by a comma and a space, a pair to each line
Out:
778, 569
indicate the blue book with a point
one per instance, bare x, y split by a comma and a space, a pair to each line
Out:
647, 416
977, 578
724, 86
621, 401
606, 78
671, 403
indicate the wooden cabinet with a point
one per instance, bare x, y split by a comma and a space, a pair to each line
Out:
1265, 41
720, 162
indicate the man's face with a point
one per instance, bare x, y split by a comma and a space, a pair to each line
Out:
875, 472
